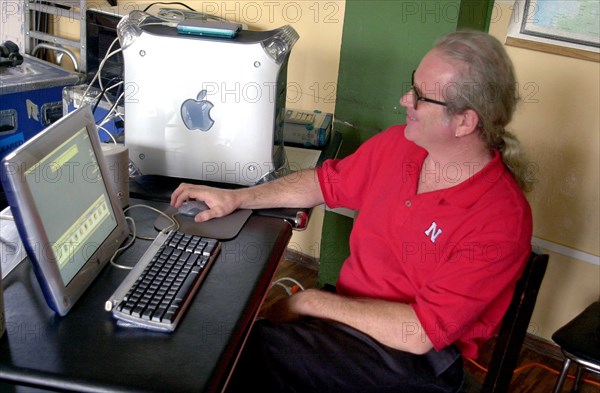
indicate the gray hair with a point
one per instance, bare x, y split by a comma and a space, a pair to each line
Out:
485, 82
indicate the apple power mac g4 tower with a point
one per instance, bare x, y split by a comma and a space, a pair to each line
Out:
204, 107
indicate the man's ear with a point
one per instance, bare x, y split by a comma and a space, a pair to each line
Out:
467, 122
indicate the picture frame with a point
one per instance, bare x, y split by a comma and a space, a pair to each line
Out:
568, 28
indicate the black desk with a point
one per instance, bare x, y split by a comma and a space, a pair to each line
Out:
87, 351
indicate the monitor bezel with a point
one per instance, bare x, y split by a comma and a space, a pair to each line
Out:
60, 297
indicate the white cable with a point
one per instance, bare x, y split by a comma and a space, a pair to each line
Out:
125, 247
103, 62
174, 225
290, 279
134, 235
287, 289
112, 138
110, 103
106, 57
113, 108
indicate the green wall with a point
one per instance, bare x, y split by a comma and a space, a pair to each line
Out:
382, 43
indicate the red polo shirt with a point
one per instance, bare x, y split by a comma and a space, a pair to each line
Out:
454, 255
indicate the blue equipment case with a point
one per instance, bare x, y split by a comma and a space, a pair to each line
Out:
30, 100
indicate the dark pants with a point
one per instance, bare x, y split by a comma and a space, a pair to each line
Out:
312, 355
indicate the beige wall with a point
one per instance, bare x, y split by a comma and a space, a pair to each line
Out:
558, 122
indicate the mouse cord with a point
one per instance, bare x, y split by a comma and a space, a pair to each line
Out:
174, 225
134, 235
126, 246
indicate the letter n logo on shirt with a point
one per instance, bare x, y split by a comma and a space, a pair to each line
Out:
433, 232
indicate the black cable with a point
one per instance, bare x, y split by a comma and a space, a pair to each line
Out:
169, 3
108, 85
109, 111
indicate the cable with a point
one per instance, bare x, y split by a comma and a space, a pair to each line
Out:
174, 226
134, 235
289, 290
112, 138
285, 287
101, 65
163, 17
119, 82
108, 117
168, 3
479, 366
125, 247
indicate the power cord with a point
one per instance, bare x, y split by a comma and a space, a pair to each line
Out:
133, 233
289, 290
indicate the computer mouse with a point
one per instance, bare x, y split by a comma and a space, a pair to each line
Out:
191, 208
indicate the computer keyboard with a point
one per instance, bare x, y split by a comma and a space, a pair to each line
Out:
157, 292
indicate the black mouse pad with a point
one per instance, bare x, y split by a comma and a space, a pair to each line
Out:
222, 228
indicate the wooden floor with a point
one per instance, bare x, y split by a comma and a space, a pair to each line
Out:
538, 366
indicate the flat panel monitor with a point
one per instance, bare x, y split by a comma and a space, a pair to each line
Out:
65, 209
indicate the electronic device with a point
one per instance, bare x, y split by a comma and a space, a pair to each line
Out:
192, 208
9, 55
71, 224
117, 162
66, 212
313, 134
158, 291
205, 108
299, 117
208, 28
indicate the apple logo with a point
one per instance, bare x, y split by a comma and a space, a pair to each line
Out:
196, 113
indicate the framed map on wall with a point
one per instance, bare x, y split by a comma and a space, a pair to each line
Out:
564, 27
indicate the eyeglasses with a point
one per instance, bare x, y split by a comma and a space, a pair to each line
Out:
418, 97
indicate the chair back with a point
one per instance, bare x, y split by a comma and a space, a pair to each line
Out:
514, 326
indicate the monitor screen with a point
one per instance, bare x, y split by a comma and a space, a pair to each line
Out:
84, 218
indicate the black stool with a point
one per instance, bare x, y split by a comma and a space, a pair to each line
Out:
579, 341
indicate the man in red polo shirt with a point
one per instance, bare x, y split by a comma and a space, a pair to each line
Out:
442, 235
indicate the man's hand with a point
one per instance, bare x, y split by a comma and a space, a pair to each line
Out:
221, 202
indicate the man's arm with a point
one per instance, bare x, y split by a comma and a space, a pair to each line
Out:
393, 324
298, 189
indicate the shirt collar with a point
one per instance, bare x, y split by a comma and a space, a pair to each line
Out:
470, 191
